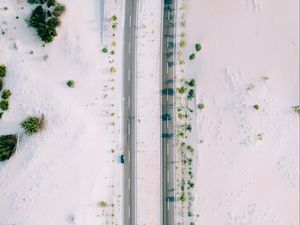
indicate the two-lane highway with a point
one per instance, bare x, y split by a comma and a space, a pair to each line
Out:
129, 106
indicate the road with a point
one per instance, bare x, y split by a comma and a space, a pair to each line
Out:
168, 113
129, 101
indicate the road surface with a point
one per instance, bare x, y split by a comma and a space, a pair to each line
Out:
168, 113
129, 101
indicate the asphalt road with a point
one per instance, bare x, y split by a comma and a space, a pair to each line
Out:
129, 106
168, 113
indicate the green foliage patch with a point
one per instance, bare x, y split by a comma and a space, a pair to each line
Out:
8, 145
45, 18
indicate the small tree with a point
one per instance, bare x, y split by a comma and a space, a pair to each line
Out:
192, 56
198, 47
8, 144
71, 83
33, 125
2, 71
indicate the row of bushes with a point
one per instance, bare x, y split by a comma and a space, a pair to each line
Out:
45, 18
5, 93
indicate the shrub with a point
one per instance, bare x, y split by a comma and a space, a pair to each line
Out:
114, 18
51, 3
6, 94
33, 125
45, 21
53, 22
191, 94
59, 9
104, 50
181, 90
201, 106
182, 43
296, 109
192, 56
102, 204
1, 84
4, 105
71, 83
33, 1
38, 17
198, 47
256, 107
2, 71
191, 83
8, 144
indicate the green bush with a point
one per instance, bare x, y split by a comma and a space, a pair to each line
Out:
51, 3
191, 83
201, 106
33, 125
4, 105
104, 50
6, 94
191, 94
38, 17
46, 20
71, 83
192, 56
2, 71
1, 84
198, 47
8, 144
59, 9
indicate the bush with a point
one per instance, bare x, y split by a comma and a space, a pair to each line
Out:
59, 9
191, 94
4, 105
6, 94
191, 83
45, 21
33, 125
198, 47
38, 17
104, 50
71, 83
2, 71
1, 84
201, 106
8, 144
192, 56
51, 3
296, 109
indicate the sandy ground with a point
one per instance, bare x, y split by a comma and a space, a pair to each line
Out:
241, 179
61, 174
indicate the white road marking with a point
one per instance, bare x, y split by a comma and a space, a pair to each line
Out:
129, 45
129, 74
129, 101
129, 131
128, 183
128, 156
130, 21
128, 211
167, 70
167, 124
168, 205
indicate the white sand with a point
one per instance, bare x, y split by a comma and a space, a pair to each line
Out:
242, 180
61, 173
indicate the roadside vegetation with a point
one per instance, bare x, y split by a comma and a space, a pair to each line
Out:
45, 18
